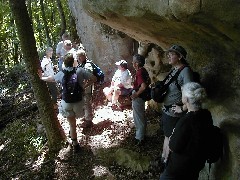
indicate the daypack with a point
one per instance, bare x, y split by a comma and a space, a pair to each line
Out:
71, 90
96, 71
159, 90
215, 144
146, 94
214, 149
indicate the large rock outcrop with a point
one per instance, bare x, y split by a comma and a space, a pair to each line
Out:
208, 29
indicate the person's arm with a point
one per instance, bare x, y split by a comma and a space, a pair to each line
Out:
48, 79
90, 81
140, 90
179, 109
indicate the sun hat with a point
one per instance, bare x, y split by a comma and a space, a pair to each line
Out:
178, 49
121, 62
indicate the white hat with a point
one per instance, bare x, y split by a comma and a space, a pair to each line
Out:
121, 62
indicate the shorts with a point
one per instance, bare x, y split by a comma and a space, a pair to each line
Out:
125, 91
72, 109
168, 124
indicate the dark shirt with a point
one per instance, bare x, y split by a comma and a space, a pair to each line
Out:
142, 76
188, 143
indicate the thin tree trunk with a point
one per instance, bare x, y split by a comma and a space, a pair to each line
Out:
29, 6
28, 46
62, 16
45, 23
73, 30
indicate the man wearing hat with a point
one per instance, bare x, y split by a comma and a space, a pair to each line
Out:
173, 108
141, 82
120, 84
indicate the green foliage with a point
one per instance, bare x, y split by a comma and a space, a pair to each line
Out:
133, 160
20, 146
10, 50
14, 78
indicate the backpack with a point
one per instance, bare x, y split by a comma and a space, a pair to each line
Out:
96, 71
215, 145
146, 94
159, 90
71, 90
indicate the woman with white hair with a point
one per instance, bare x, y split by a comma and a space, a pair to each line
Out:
189, 137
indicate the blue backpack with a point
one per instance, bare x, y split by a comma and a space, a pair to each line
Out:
71, 90
96, 71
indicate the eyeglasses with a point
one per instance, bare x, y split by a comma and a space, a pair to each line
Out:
171, 54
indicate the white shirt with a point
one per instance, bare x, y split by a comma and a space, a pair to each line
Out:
123, 77
59, 47
47, 66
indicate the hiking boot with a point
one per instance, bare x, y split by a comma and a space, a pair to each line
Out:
76, 148
87, 124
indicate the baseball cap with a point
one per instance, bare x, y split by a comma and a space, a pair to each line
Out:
121, 62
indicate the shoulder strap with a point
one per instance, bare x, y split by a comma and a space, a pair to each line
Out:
170, 78
177, 84
92, 63
69, 72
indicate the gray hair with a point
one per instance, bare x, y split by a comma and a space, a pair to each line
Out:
81, 52
195, 93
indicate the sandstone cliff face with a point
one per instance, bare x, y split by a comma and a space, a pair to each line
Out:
208, 29
103, 45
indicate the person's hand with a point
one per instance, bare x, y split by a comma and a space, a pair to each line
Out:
177, 109
134, 95
120, 85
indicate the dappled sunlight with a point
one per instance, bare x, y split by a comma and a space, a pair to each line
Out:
100, 171
3, 145
109, 128
40, 160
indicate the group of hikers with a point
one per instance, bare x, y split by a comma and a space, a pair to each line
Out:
184, 122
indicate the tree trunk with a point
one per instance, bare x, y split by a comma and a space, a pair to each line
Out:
28, 46
62, 16
45, 24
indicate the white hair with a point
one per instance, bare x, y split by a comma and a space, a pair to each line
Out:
194, 92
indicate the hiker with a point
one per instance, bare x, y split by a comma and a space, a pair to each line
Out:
121, 84
87, 120
173, 108
141, 82
67, 48
189, 137
76, 109
48, 70
65, 36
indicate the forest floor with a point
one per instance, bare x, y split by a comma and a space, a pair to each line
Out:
25, 156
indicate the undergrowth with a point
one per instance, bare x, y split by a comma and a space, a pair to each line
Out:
20, 147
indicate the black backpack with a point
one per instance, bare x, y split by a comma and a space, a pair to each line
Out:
215, 145
96, 71
146, 94
71, 90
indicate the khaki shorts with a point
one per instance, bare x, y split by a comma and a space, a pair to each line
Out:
72, 109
